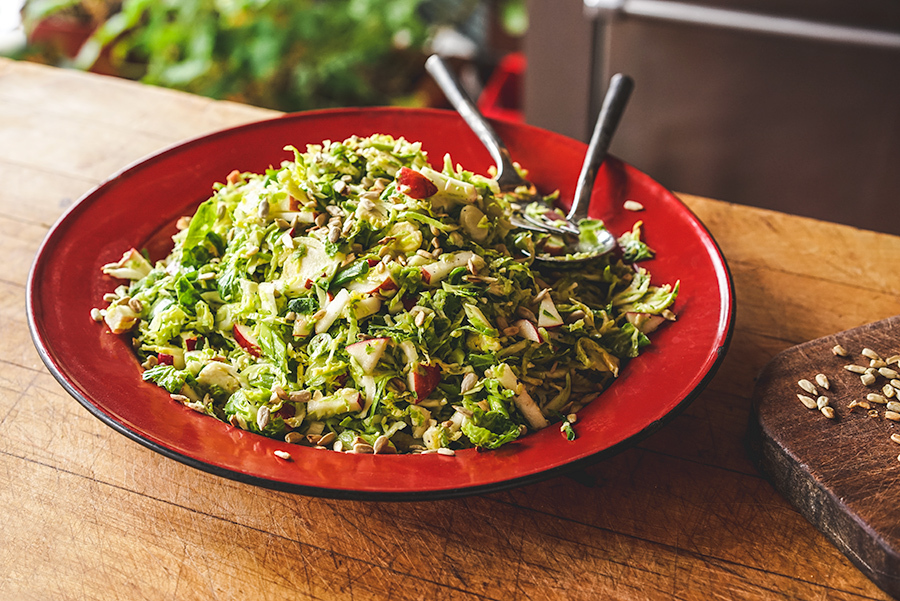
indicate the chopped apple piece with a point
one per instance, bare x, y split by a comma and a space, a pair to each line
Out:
423, 379
368, 352
447, 262
414, 184
243, 335
333, 310
548, 316
528, 330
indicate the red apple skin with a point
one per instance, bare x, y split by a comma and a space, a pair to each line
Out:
190, 344
414, 184
164, 359
243, 337
425, 379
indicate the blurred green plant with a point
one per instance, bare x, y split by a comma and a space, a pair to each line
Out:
284, 54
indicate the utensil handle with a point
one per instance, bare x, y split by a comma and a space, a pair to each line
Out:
614, 103
475, 120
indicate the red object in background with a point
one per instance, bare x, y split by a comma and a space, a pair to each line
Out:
502, 95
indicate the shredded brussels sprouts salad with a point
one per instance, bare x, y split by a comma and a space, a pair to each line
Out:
355, 297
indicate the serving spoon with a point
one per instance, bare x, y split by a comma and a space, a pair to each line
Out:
509, 179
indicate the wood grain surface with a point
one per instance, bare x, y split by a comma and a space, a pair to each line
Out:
842, 473
88, 514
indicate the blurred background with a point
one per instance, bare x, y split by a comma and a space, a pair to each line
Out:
792, 105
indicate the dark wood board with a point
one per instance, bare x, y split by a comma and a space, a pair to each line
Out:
842, 474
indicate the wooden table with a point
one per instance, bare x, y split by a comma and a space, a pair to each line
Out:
85, 513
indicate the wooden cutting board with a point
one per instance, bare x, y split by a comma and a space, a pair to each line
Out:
842, 474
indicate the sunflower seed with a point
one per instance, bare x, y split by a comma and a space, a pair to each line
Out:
327, 439
822, 380
96, 315
419, 319
263, 210
895, 437
869, 353
632, 205
321, 219
839, 350
893, 359
857, 369
877, 364
338, 446
807, 386
895, 384
468, 382
282, 454
363, 448
262, 417
867, 379
299, 396
892, 415
827, 412
822, 401
293, 437
893, 406
876, 398
136, 305
889, 391
889, 373
382, 445
873, 413
446, 451
808, 402
424, 254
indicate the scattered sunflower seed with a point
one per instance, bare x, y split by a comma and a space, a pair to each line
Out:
872, 413
262, 417
822, 402
869, 353
263, 209
282, 454
895, 437
293, 437
822, 380
867, 379
807, 386
876, 398
839, 350
380, 443
468, 382
889, 391
632, 205
892, 415
446, 451
827, 412
96, 315
877, 364
889, 373
299, 396
808, 402
893, 406
857, 369
327, 439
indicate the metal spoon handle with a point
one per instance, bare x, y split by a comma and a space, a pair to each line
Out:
506, 173
620, 87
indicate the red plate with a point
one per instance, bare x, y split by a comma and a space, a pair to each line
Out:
139, 206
